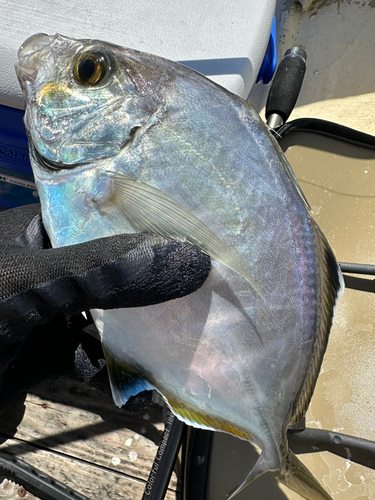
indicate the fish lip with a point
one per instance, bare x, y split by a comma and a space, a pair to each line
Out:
50, 165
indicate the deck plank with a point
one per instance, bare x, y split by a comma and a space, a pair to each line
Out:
12, 491
76, 435
95, 482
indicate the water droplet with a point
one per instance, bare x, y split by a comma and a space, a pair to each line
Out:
133, 455
315, 209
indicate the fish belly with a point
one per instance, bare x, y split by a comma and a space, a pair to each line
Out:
205, 356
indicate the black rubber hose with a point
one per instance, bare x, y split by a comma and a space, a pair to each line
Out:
327, 128
360, 451
346, 267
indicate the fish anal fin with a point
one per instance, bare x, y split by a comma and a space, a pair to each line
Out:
123, 381
330, 285
299, 479
197, 418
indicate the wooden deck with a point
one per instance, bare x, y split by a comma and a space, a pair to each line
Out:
77, 435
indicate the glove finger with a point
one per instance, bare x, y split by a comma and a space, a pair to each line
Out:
120, 271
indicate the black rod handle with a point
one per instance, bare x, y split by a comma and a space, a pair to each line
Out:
285, 86
165, 459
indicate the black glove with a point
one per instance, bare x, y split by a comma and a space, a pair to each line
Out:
41, 289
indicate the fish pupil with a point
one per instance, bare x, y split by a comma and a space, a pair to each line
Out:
86, 69
90, 68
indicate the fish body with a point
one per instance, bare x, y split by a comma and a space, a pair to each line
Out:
122, 141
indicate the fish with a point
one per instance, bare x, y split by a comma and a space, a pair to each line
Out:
123, 142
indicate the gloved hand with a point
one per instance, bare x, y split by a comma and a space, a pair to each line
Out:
41, 289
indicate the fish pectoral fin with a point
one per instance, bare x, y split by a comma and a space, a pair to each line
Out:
124, 383
149, 209
299, 479
261, 466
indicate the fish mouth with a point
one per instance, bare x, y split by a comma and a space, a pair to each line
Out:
50, 165
55, 166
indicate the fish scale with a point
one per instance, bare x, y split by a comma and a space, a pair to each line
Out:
182, 157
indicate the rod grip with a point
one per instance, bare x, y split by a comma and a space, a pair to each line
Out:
286, 84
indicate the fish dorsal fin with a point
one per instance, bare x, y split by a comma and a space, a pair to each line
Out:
293, 178
330, 286
149, 209
289, 172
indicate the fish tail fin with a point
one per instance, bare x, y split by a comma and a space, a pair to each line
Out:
295, 476
299, 479
261, 466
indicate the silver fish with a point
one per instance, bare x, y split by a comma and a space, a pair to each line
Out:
121, 142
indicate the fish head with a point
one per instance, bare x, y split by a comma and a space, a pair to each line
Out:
87, 102
84, 101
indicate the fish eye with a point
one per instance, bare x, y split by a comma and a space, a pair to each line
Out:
90, 68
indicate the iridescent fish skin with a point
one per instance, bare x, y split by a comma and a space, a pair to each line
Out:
233, 356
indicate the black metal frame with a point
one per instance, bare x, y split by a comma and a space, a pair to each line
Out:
35, 481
